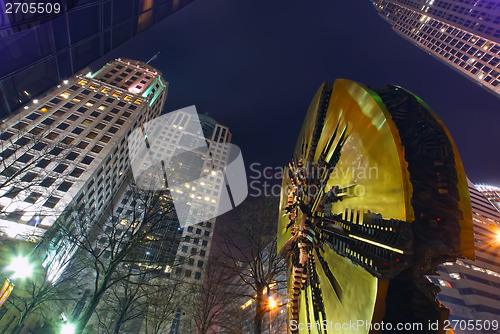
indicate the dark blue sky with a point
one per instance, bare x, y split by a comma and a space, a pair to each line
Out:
255, 65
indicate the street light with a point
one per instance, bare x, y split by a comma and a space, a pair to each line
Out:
68, 328
20, 268
271, 304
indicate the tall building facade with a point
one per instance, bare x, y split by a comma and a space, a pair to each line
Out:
470, 289
41, 50
464, 34
492, 193
68, 149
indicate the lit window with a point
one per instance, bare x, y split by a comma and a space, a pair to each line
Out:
88, 104
105, 90
127, 98
64, 95
93, 86
455, 275
117, 94
76, 99
444, 283
82, 82
102, 107
44, 109
138, 101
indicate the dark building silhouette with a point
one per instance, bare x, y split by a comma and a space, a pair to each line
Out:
41, 50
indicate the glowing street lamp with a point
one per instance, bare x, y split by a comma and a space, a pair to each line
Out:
68, 328
271, 305
20, 268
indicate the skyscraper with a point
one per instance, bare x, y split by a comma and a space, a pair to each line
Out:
463, 34
470, 289
492, 193
68, 149
41, 50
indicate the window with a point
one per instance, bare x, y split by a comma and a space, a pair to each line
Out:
25, 158
97, 149
21, 125
73, 117
12, 192
100, 126
22, 141
191, 262
207, 233
202, 253
87, 121
197, 275
63, 126
204, 243
113, 129
77, 131
92, 135
56, 151
121, 104
108, 118
77, 172
9, 171
47, 182
194, 251
52, 135
28, 177
82, 145
51, 202
82, 109
60, 168
33, 197
68, 140
33, 116
184, 249
72, 156
48, 121
126, 114
43, 163
36, 131
58, 113
69, 105
105, 139
87, 160
6, 135
55, 100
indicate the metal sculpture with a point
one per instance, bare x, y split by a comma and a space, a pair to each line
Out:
359, 247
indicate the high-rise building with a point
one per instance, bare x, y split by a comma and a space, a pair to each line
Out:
463, 34
41, 50
492, 193
68, 149
470, 289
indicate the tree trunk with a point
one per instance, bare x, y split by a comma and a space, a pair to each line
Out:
259, 311
84, 318
20, 323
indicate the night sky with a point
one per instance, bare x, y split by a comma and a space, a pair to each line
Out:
255, 66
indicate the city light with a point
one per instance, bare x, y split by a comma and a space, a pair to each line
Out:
21, 267
68, 328
272, 303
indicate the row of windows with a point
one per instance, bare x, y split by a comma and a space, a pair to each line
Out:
451, 50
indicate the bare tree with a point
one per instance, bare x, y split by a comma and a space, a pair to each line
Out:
111, 248
250, 252
163, 300
212, 300
36, 295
